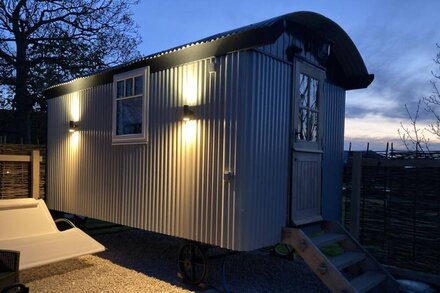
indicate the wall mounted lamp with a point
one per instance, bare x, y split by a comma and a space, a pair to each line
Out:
324, 50
188, 114
73, 126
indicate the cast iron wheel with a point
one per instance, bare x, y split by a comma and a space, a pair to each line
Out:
193, 263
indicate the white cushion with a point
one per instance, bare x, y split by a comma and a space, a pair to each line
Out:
27, 226
22, 218
18, 203
49, 248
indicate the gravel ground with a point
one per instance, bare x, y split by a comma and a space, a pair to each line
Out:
140, 261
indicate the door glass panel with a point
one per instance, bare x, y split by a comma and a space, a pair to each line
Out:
303, 90
301, 133
307, 129
313, 116
314, 86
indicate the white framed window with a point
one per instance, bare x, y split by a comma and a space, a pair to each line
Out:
308, 116
130, 107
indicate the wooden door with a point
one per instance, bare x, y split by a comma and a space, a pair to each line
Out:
307, 144
306, 188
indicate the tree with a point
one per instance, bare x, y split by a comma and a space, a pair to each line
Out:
45, 42
414, 137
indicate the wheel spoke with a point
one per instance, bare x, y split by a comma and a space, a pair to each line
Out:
192, 255
193, 274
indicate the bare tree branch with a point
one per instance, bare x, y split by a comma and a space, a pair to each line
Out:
43, 42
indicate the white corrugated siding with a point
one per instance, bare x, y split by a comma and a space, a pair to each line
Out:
174, 186
333, 140
333, 146
171, 185
263, 148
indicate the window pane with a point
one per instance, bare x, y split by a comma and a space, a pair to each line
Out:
301, 132
314, 92
129, 87
120, 89
129, 116
303, 89
138, 85
313, 133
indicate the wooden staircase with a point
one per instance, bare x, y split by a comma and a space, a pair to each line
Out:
355, 270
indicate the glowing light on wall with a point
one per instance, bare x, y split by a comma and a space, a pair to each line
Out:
189, 131
73, 123
74, 107
189, 89
190, 98
74, 141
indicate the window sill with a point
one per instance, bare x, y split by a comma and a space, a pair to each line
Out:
126, 141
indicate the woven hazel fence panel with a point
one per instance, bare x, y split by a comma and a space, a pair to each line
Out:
399, 212
15, 177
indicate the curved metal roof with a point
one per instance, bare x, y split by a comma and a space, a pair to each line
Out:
351, 67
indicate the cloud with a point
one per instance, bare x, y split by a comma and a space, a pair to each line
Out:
377, 130
400, 53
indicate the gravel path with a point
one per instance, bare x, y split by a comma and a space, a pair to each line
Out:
140, 261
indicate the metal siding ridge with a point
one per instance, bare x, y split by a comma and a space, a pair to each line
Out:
164, 186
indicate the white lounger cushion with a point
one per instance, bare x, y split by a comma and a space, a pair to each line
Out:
27, 226
10, 204
49, 248
24, 221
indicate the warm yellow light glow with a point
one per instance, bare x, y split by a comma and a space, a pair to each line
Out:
75, 114
74, 141
74, 107
189, 131
189, 88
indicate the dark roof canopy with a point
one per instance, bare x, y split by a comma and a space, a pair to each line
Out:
351, 69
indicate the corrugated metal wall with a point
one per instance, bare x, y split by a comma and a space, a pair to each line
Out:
333, 146
263, 160
172, 185
334, 117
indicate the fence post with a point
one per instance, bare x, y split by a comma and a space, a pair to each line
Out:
356, 182
35, 167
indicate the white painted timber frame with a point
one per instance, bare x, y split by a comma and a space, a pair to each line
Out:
139, 138
316, 73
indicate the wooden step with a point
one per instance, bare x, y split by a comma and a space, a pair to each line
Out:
367, 281
329, 270
347, 259
328, 239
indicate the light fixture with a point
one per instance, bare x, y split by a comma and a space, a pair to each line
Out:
324, 50
73, 126
188, 114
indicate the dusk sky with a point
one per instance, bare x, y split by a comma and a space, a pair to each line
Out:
397, 40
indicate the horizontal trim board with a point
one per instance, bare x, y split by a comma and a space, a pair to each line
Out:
16, 158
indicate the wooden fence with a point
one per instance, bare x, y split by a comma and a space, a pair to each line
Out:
22, 171
393, 206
